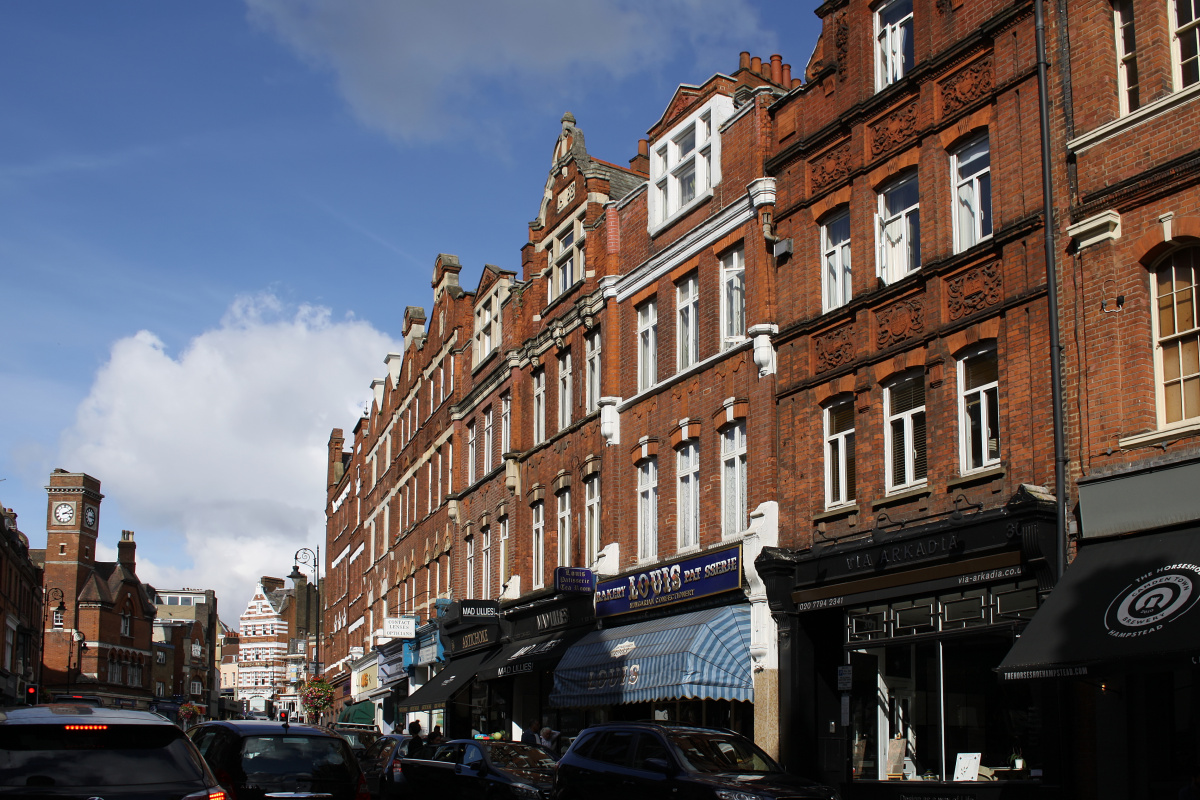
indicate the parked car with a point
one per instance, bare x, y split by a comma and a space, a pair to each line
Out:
480, 769
360, 737
255, 759
648, 761
69, 750
381, 765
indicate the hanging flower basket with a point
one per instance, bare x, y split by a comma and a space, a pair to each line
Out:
188, 712
316, 696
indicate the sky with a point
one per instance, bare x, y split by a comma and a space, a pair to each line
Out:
213, 214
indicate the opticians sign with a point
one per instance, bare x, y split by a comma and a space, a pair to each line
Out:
679, 581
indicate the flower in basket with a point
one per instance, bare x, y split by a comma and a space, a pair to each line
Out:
316, 696
188, 712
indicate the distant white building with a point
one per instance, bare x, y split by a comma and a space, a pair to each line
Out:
263, 643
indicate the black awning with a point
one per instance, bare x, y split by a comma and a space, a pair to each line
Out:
437, 691
1122, 603
528, 655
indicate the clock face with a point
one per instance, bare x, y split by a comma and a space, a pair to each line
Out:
64, 513
89, 516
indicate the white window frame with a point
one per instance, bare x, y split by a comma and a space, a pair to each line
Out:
126, 624
538, 511
591, 516
59, 619
647, 499
591, 344
539, 405
564, 389
566, 258
485, 563
893, 43
502, 524
471, 452
1172, 343
986, 398
1128, 82
906, 420
1188, 33
486, 340
564, 528
971, 193
836, 276
895, 230
470, 576
841, 468
687, 324
505, 422
647, 333
687, 155
733, 297
487, 440
734, 509
687, 496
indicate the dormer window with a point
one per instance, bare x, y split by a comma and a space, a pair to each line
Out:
126, 624
566, 259
686, 162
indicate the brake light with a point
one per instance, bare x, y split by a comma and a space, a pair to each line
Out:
215, 793
397, 769
85, 727
362, 793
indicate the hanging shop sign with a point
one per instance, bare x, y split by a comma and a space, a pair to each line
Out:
400, 627
470, 612
468, 641
574, 580
672, 582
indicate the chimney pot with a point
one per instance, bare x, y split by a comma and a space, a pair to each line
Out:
756, 64
787, 75
777, 68
643, 147
744, 60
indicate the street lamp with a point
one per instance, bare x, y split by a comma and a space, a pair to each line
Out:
309, 558
53, 593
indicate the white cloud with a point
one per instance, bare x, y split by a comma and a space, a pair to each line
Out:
225, 446
420, 71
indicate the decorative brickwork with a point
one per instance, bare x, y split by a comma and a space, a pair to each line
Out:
831, 167
899, 322
967, 85
834, 349
974, 290
893, 130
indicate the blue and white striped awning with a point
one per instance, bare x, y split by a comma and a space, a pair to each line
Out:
701, 655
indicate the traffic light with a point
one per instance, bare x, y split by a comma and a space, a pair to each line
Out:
31, 694
283, 716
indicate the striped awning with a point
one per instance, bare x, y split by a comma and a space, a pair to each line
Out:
701, 655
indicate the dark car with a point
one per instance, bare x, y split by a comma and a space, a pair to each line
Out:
255, 759
650, 761
68, 750
466, 769
381, 765
360, 737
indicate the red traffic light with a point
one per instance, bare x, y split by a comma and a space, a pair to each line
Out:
31, 694
283, 716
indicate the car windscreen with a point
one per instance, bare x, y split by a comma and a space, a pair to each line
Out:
95, 755
318, 758
520, 756
716, 752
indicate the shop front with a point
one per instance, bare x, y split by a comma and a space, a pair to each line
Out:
393, 681
452, 698
889, 647
1120, 635
520, 675
674, 643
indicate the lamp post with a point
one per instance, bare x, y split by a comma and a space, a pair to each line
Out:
307, 557
53, 593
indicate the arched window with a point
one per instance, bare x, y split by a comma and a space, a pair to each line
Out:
1177, 336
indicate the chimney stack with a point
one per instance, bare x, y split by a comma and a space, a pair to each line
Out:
126, 548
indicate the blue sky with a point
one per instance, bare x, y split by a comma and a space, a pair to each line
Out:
212, 215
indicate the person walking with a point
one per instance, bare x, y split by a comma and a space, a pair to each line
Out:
416, 742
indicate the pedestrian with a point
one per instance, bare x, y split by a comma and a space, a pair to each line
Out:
530, 734
416, 742
435, 736
549, 739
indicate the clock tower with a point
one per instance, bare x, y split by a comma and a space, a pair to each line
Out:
72, 527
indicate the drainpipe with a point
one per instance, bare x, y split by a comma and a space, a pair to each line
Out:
1060, 457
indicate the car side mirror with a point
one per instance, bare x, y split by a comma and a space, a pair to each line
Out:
660, 765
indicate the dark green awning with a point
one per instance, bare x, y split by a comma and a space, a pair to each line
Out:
359, 713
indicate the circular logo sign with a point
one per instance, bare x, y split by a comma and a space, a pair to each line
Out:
1153, 600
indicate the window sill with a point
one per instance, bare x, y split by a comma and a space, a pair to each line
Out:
836, 513
1160, 436
978, 476
901, 497
480, 364
1144, 114
559, 298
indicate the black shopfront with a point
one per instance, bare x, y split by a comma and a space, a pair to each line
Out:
888, 651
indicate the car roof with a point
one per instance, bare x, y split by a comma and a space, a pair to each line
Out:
262, 727
679, 727
67, 713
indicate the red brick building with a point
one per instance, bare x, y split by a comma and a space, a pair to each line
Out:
99, 615
21, 612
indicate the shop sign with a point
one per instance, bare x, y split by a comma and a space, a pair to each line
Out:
474, 639
400, 627
710, 573
428, 653
470, 612
574, 580
845, 678
576, 610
